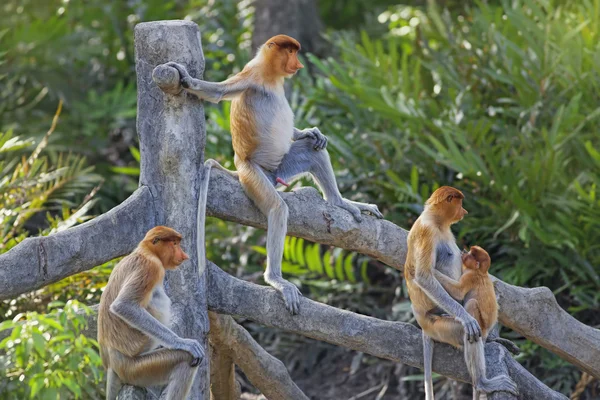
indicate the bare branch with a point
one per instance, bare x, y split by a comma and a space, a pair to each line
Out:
267, 373
533, 313
39, 261
395, 341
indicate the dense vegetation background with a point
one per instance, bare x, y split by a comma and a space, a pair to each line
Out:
499, 99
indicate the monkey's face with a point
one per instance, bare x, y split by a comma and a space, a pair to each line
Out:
292, 64
174, 254
283, 54
454, 209
469, 262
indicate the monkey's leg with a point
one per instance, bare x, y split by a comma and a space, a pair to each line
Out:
180, 381
113, 384
448, 330
261, 191
215, 164
427, 365
303, 158
151, 369
472, 307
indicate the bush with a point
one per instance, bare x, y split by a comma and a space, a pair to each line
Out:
500, 101
48, 356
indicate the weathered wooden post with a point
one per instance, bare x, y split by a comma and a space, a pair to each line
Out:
172, 136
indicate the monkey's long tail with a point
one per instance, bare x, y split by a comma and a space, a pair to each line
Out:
201, 216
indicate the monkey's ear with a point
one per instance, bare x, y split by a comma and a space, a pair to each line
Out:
449, 198
271, 44
155, 240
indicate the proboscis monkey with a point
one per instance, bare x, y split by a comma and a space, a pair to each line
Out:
475, 288
134, 320
269, 150
431, 247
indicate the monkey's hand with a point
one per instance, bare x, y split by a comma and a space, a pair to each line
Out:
471, 327
193, 347
320, 140
184, 77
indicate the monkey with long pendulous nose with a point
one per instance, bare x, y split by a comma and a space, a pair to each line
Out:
269, 150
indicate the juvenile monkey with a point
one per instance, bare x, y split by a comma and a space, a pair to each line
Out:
134, 320
432, 247
476, 288
269, 150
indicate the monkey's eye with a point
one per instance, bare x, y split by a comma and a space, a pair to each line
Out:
291, 51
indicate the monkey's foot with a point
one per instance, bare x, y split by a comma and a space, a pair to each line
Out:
500, 383
510, 346
291, 295
370, 208
355, 208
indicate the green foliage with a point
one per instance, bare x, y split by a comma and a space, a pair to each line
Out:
497, 100
515, 129
303, 258
48, 357
36, 184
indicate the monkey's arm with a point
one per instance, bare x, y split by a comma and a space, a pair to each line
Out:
128, 307
311, 133
212, 91
425, 279
456, 289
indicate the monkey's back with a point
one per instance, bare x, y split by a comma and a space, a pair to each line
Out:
113, 332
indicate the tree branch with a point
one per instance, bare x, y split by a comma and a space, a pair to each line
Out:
312, 218
533, 313
395, 341
39, 261
267, 373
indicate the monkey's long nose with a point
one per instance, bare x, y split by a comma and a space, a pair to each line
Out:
465, 211
185, 256
299, 65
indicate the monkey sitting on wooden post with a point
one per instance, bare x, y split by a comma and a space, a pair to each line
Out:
134, 320
269, 150
432, 248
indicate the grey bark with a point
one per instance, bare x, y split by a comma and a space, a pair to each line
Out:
40, 261
396, 341
172, 138
265, 372
223, 385
296, 18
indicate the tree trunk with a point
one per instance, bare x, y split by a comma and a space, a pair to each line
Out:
172, 138
296, 18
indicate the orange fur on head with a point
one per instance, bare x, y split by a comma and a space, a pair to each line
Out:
477, 258
445, 204
284, 42
444, 193
164, 242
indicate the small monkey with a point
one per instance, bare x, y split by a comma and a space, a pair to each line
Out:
134, 320
269, 150
476, 288
431, 248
